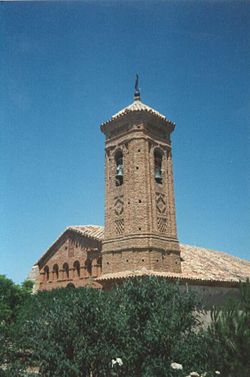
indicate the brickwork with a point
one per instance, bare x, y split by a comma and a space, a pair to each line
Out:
140, 225
72, 260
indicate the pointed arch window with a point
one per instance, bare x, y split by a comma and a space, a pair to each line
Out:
119, 168
158, 165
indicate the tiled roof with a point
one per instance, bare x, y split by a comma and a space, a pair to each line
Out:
90, 231
213, 265
137, 106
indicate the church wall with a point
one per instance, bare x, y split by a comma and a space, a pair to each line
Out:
215, 293
75, 260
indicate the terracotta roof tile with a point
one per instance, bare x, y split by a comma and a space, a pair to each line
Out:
138, 106
91, 231
211, 264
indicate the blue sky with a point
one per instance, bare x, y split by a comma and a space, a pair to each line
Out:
68, 66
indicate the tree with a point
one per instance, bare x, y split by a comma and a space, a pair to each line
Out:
12, 298
145, 323
229, 334
66, 331
155, 324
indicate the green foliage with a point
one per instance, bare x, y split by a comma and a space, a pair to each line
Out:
229, 334
66, 330
12, 299
145, 322
151, 320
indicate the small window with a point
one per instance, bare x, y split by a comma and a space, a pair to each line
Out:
88, 265
77, 269
70, 285
119, 168
46, 273
99, 262
158, 166
55, 272
66, 271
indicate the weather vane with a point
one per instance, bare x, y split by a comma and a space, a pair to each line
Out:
137, 90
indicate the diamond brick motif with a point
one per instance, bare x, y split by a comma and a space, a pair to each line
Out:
161, 204
118, 206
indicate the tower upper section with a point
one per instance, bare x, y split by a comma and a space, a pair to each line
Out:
137, 110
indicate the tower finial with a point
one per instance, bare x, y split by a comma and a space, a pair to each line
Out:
137, 95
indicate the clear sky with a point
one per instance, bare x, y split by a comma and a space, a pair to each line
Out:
68, 66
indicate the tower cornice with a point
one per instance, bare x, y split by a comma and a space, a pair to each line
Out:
137, 108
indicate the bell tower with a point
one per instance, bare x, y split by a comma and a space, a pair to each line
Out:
140, 224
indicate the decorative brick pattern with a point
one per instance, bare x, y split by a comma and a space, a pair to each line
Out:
118, 205
119, 226
162, 224
161, 203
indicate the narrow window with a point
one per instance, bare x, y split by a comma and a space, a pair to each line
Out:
119, 168
99, 262
88, 265
66, 271
76, 266
158, 166
46, 273
55, 272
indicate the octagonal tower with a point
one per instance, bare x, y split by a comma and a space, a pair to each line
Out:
140, 223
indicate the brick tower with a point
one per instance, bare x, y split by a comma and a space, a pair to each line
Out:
140, 225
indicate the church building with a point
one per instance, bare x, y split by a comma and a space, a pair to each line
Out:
139, 237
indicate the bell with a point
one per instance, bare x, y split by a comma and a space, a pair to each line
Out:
158, 173
119, 171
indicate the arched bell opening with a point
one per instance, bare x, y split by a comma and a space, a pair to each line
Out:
119, 168
158, 165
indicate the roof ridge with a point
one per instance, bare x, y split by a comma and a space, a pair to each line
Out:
84, 225
137, 105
